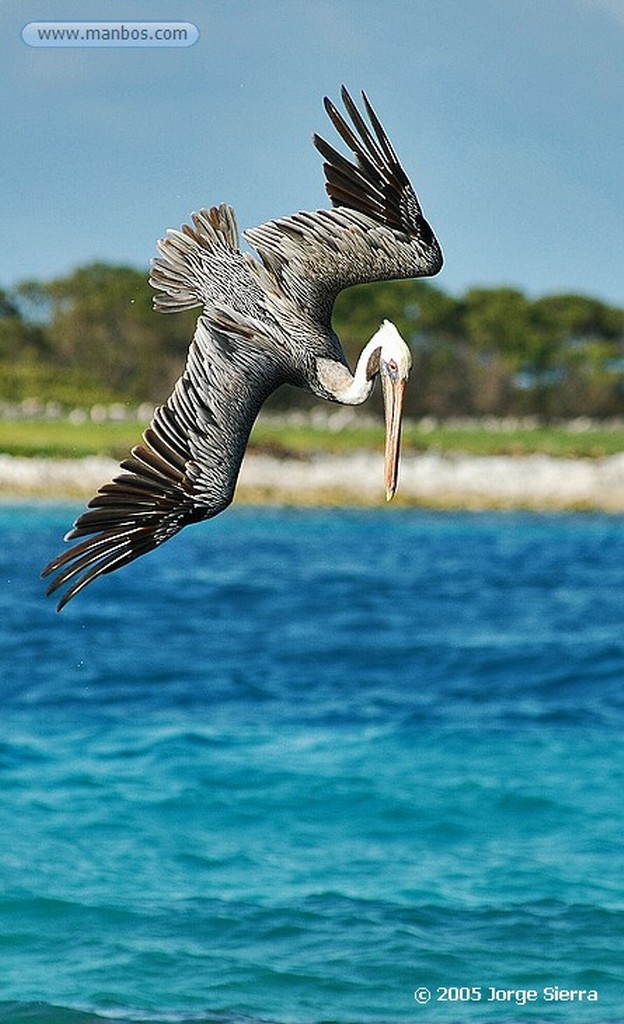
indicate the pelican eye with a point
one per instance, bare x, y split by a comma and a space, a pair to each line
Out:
392, 366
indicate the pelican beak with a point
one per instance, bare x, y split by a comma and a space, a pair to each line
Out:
393, 388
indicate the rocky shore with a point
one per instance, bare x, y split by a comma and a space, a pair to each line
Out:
430, 480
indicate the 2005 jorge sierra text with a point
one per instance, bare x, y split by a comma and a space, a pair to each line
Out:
519, 996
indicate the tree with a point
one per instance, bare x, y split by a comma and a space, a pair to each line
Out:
101, 322
500, 320
23, 348
587, 341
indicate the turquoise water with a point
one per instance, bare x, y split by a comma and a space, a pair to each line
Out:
298, 765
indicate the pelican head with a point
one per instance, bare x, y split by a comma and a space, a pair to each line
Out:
386, 356
394, 365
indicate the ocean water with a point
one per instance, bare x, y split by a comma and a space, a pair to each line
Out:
303, 766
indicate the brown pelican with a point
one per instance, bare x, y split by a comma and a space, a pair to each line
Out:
264, 323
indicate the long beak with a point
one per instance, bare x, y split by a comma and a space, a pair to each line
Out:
393, 395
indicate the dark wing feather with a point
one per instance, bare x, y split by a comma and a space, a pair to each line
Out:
375, 231
376, 184
187, 466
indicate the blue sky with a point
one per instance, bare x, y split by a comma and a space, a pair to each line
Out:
507, 114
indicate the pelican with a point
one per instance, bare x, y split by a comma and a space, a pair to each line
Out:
263, 323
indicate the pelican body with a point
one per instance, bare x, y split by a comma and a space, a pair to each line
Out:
263, 323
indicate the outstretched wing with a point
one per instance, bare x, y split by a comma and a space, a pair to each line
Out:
187, 466
375, 231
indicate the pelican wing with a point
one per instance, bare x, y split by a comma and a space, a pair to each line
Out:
375, 231
188, 464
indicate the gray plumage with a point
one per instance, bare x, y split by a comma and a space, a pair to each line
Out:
263, 324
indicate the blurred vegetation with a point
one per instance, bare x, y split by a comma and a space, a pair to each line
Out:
93, 337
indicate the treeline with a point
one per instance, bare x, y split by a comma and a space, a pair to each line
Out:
93, 337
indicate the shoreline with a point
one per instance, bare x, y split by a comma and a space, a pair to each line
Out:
430, 480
